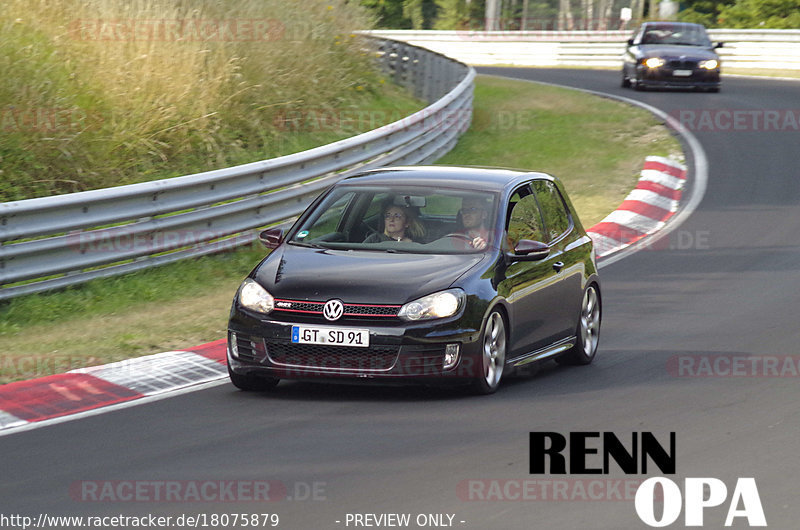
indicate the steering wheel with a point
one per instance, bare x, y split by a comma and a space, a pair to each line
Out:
464, 237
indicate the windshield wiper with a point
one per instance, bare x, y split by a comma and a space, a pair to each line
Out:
307, 245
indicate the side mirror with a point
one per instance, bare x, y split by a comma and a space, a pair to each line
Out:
527, 250
630, 42
718, 45
271, 238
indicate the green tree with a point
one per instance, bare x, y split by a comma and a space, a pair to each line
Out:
460, 14
773, 14
421, 12
390, 13
705, 12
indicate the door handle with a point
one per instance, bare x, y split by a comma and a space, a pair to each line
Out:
558, 265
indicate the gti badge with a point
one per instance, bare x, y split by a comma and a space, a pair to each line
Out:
333, 309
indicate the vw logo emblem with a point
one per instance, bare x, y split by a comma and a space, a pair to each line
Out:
333, 309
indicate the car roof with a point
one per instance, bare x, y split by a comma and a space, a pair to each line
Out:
474, 178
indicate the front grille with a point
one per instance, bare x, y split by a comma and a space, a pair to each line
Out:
682, 65
378, 311
376, 357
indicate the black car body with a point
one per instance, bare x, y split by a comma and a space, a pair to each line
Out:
671, 55
438, 309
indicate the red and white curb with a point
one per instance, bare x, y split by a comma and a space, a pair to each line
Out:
56, 396
645, 210
25, 404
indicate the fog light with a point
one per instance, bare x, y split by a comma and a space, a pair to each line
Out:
451, 352
232, 346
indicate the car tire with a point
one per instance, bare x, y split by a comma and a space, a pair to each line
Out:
626, 83
494, 341
252, 383
587, 332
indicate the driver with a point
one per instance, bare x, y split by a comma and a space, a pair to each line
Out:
473, 214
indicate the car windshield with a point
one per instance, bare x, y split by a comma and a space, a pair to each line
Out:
676, 35
400, 219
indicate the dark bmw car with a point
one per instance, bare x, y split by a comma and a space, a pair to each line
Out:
671, 55
420, 274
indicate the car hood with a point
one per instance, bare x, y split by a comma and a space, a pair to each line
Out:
677, 52
301, 273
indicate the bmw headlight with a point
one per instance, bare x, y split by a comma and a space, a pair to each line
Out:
437, 305
710, 64
654, 62
256, 298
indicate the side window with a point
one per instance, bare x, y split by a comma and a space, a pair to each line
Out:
524, 219
556, 217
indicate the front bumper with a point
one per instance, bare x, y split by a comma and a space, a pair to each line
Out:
664, 77
401, 352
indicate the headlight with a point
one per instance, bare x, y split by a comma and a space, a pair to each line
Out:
256, 298
654, 62
710, 64
436, 305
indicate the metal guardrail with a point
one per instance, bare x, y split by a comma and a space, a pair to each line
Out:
744, 48
57, 241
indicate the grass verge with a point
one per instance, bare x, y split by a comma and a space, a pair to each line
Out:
594, 145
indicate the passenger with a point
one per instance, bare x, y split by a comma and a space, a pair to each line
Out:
474, 214
400, 224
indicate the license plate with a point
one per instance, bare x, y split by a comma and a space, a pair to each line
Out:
358, 338
682, 73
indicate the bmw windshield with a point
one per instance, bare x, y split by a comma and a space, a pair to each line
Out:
676, 35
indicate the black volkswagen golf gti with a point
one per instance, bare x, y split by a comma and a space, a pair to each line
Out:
420, 274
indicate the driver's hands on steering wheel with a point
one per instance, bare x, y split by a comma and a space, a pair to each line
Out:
477, 243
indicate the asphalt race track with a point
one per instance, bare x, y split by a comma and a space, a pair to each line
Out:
699, 336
